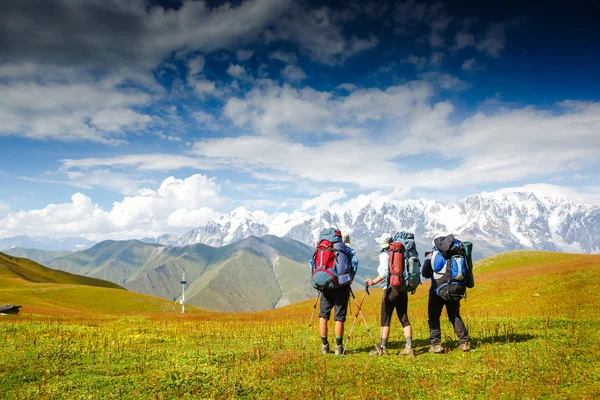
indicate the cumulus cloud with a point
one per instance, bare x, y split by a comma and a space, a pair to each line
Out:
286, 57
323, 201
464, 39
4, 209
270, 108
100, 34
293, 73
237, 71
469, 65
493, 40
446, 81
150, 212
319, 34
244, 54
98, 112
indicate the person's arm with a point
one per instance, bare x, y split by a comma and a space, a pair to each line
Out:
353, 261
426, 269
382, 270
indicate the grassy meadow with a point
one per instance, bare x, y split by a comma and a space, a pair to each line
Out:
533, 319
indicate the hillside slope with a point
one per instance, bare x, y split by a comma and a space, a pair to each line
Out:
250, 275
12, 268
38, 255
42, 290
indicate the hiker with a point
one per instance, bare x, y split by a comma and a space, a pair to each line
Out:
392, 299
335, 292
444, 252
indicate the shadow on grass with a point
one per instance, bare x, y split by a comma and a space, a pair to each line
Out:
422, 345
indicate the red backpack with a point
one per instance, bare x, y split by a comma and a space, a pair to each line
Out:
397, 264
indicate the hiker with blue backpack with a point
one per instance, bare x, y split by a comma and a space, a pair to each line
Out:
333, 267
399, 270
450, 267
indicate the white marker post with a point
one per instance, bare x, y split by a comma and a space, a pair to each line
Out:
183, 283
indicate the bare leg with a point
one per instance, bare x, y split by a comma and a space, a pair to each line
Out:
323, 327
385, 332
339, 328
408, 331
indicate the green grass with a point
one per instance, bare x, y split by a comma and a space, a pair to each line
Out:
526, 347
522, 258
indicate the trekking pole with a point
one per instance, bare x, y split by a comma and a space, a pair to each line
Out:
311, 319
364, 319
354, 320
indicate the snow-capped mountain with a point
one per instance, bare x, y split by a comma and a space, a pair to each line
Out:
498, 221
237, 225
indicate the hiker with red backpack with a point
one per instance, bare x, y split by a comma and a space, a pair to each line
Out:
450, 267
333, 267
399, 271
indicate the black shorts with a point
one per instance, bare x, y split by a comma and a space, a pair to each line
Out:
337, 298
393, 299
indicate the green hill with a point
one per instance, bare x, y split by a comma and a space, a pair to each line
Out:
42, 290
249, 275
29, 271
39, 256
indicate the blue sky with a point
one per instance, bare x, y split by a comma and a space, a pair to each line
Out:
268, 104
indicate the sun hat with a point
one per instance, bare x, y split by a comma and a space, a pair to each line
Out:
346, 237
384, 240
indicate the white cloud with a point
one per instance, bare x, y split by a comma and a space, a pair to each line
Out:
117, 182
587, 195
493, 40
244, 54
469, 65
269, 108
195, 66
204, 87
288, 58
464, 39
98, 112
445, 81
319, 34
418, 62
129, 33
141, 162
293, 73
323, 201
348, 87
237, 71
116, 120
148, 213
4, 209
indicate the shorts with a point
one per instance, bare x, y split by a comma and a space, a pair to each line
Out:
393, 299
337, 298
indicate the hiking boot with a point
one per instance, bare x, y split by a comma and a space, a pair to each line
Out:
436, 349
407, 351
325, 348
339, 349
465, 346
379, 351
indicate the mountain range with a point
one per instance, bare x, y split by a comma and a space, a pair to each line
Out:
249, 275
496, 222
45, 243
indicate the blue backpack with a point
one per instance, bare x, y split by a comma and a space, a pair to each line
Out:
330, 265
451, 266
412, 271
